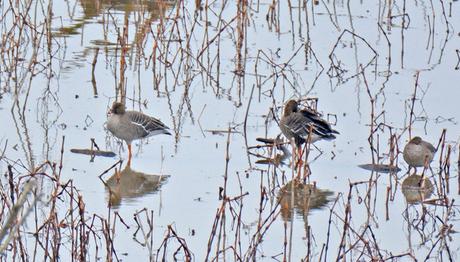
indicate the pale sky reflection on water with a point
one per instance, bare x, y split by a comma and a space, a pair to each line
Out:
195, 162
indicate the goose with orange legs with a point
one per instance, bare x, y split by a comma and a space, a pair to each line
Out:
303, 125
133, 125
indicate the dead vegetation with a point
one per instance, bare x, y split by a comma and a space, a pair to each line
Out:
208, 46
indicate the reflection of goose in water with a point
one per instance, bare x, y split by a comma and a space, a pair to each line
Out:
306, 198
416, 189
129, 184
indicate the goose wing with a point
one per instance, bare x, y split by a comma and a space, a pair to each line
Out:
429, 146
320, 124
146, 125
300, 123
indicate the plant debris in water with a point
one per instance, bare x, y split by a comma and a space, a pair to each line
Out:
93, 152
381, 168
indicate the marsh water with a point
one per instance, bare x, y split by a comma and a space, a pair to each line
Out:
218, 74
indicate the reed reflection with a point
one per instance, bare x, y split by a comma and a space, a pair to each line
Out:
146, 12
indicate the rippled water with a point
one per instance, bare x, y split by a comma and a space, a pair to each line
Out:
368, 65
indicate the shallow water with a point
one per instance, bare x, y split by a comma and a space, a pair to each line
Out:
199, 86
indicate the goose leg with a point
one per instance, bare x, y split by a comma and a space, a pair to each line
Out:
408, 171
299, 155
129, 154
299, 161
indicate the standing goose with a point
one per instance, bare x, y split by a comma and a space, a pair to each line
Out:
297, 124
133, 125
418, 152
